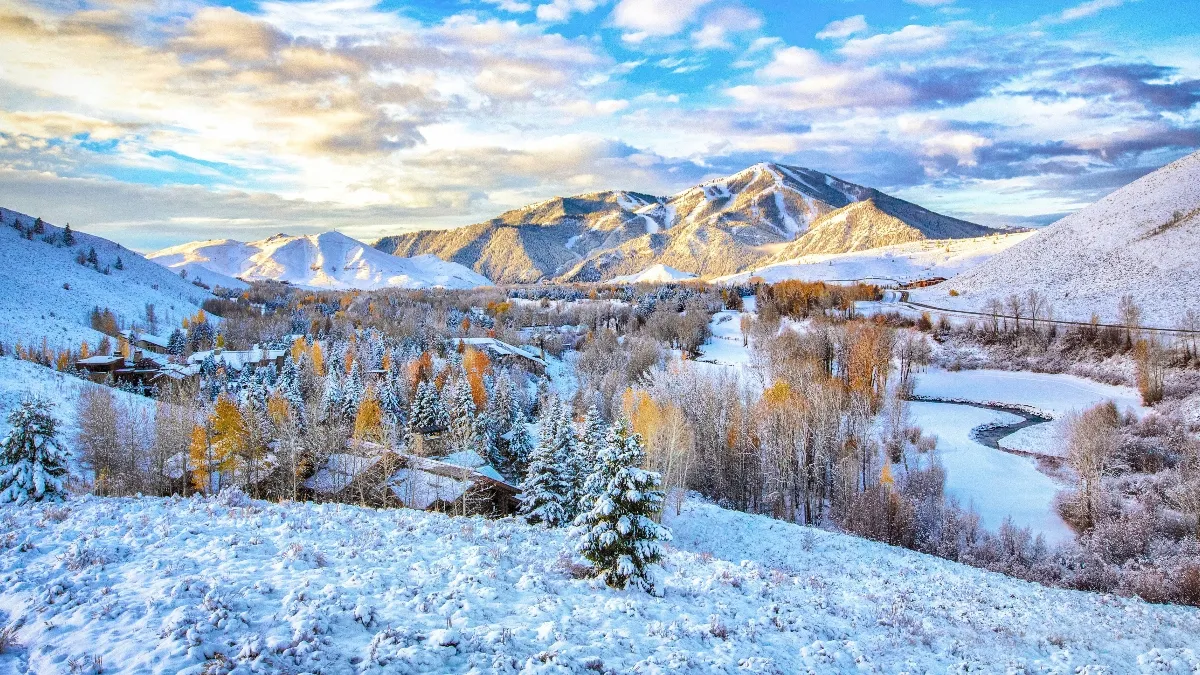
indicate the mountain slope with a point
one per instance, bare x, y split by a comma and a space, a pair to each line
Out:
655, 274
1140, 240
46, 293
720, 227
326, 261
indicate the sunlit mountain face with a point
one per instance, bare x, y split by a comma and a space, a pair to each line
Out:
155, 123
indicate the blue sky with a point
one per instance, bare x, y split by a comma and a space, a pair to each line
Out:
160, 121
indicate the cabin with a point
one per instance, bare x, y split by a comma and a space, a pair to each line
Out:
374, 475
504, 354
131, 340
100, 368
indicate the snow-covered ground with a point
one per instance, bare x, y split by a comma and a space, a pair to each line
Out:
330, 261
1051, 395
998, 484
46, 294
21, 379
178, 585
888, 264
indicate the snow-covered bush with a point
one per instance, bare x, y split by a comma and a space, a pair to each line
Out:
33, 466
233, 497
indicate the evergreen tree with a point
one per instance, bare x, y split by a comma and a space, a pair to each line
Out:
545, 492
566, 446
353, 392
428, 411
618, 534
68, 237
33, 466
519, 450
587, 453
120, 264
331, 401
177, 343
464, 423
38, 226
92, 258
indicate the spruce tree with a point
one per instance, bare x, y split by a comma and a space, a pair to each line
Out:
463, 423
92, 258
545, 492
39, 227
120, 264
177, 343
618, 534
33, 466
587, 452
520, 447
68, 237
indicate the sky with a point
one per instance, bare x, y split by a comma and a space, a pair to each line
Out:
155, 122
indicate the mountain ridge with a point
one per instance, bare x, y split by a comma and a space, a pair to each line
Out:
721, 226
329, 260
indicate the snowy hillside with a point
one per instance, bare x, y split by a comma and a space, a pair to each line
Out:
1141, 240
903, 262
195, 585
325, 261
655, 274
36, 301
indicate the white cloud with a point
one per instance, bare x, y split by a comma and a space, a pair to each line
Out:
561, 10
912, 39
801, 79
514, 6
843, 28
654, 18
1084, 10
720, 25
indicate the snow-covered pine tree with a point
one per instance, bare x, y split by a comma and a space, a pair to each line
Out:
519, 451
177, 343
428, 412
353, 391
33, 466
464, 426
618, 534
68, 237
587, 452
546, 489
566, 447
331, 401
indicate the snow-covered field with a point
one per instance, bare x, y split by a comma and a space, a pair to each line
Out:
20, 379
1051, 395
899, 263
996, 483
330, 261
178, 585
47, 294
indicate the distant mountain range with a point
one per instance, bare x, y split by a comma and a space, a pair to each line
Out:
1142, 240
766, 213
330, 260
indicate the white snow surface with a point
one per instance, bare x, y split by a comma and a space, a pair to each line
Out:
1048, 394
899, 263
1120, 245
997, 484
34, 304
654, 274
165, 585
331, 261
22, 379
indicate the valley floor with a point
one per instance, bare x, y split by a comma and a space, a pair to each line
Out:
170, 585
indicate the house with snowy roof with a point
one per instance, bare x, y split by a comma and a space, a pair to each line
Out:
505, 354
256, 356
462, 483
133, 340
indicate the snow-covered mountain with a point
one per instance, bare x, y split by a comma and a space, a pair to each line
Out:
720, 227
330, 260
47, 294
1141, 240
897, 263
655, 274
